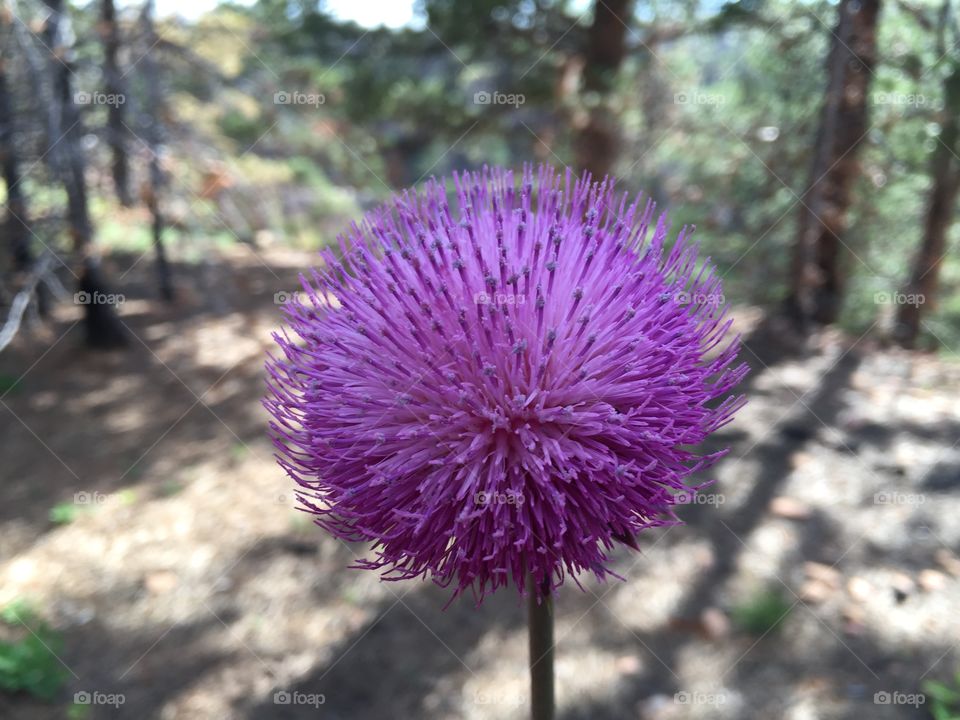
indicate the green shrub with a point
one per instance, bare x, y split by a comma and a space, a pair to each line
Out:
30, 664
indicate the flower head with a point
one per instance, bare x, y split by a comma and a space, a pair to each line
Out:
505, 387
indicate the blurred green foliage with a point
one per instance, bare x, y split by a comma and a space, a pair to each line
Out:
944, 698
717, 106
8, 383
30, 664
761, 614
65, 513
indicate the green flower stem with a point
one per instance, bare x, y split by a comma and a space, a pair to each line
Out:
541, 653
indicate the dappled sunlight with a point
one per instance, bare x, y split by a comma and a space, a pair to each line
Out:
280, 439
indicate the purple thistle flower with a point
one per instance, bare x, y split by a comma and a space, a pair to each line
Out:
504, 388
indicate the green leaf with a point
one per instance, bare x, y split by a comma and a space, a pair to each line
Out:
942, 692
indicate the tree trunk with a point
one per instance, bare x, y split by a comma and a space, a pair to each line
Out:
103, 327
153, 134
921, 289
17, 226
17, 230
597, 142
116, 111
817, 280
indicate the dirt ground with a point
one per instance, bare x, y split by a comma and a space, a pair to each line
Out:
188, 584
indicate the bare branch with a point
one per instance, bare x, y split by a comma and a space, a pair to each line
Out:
22, 300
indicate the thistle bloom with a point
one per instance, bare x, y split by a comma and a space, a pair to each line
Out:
504, 388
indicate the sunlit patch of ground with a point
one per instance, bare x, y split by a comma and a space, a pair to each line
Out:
179, 573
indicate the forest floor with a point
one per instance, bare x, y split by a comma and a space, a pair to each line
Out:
143, 517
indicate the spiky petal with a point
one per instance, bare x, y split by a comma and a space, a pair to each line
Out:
505, 387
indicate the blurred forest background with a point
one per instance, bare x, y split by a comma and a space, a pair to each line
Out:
166, 175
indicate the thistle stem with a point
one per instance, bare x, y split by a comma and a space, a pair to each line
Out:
541, 652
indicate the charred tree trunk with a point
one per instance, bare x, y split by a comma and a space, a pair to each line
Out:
817, 280
103, 327
598, 140
945, 172
154, 138
114, 88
